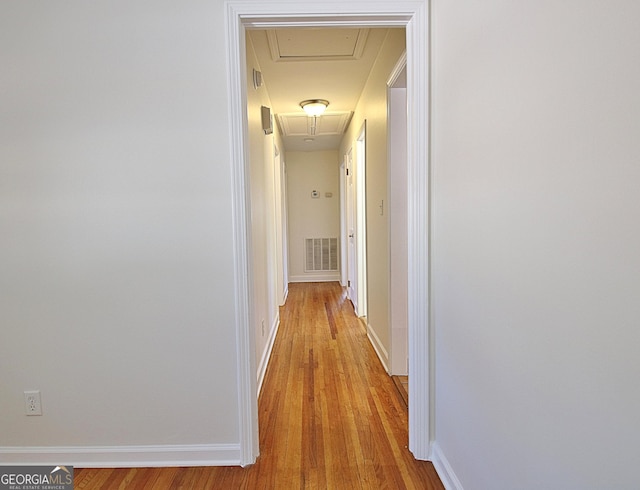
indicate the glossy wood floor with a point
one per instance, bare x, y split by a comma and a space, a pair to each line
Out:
330, 417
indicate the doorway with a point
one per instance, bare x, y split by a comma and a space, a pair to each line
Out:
356, 224
361, 221
413, 16
350, 200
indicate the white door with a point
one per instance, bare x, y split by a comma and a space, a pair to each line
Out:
352, 277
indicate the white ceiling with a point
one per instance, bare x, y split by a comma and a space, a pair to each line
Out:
315, 63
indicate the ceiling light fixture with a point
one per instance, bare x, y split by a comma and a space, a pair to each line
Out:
314, 107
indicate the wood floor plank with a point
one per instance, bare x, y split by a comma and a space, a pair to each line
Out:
330, 417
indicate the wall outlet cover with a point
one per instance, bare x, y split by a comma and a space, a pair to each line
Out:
32, 403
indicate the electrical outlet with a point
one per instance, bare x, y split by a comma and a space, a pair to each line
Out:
32, 404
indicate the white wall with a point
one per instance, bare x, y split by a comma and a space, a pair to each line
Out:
265, 202
397, 209
535, 245
372, 107
116, 252
311, 217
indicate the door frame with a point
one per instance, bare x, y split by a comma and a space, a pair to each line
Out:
343, 224
413, 15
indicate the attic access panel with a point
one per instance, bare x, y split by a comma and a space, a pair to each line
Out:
330, 123
313, 44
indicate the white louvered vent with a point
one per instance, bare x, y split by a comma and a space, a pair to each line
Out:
321, 254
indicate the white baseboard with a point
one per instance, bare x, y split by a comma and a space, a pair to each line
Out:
331, 277
383, 355
266, 355
444, 469
124, 456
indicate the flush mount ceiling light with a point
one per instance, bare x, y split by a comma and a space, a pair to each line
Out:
314, 107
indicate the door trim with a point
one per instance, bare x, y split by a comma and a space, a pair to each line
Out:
414, 16
360, 174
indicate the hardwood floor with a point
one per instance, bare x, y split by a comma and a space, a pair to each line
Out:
330, 416
402, 384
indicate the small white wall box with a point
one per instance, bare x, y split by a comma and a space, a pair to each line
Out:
267, 121
257, 79
315, 194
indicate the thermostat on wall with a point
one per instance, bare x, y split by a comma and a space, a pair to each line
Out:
315, 194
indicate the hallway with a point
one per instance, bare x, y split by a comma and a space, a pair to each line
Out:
330, 416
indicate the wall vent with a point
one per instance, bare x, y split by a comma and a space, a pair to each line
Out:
321, 254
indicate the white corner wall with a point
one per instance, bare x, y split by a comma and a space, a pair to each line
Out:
372, 108
116, 257
398, 230
312, 217
535, 242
